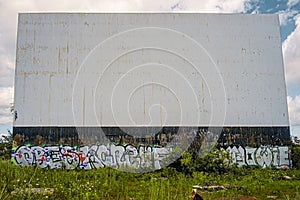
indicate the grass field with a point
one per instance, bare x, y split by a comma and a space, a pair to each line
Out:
105, 183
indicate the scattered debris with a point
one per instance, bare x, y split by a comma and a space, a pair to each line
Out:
287, 178
217, 187
284, 167
271, 197
210, 187
33, 190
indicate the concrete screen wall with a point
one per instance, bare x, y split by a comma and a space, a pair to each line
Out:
80, 69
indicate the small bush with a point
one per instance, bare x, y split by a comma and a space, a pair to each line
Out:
217, 161
295, 156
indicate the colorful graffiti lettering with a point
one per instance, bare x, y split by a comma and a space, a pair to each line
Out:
143, 157
89, 157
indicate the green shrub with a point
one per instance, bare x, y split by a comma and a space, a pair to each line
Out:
6, 146
295, 156
217, 161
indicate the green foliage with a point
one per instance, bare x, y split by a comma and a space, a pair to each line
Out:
104, 183
173, 182
5, 151
107, 183
295, 154
187, 163
6, 146
217, 161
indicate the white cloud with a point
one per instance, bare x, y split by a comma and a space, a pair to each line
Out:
291, 3
6, 94
6, 70
227, 5
6, 97
291, 54
294, 110
295, 131
5, 119
286, 16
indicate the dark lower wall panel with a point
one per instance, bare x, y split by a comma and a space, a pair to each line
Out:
225, 136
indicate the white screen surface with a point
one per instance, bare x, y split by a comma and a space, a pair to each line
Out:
150, 69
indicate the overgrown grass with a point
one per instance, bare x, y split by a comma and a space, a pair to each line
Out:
106, 183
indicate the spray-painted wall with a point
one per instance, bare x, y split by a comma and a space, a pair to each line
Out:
89, 157
130, 157
264, 156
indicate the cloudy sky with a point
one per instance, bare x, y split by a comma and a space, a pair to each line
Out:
288, 10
